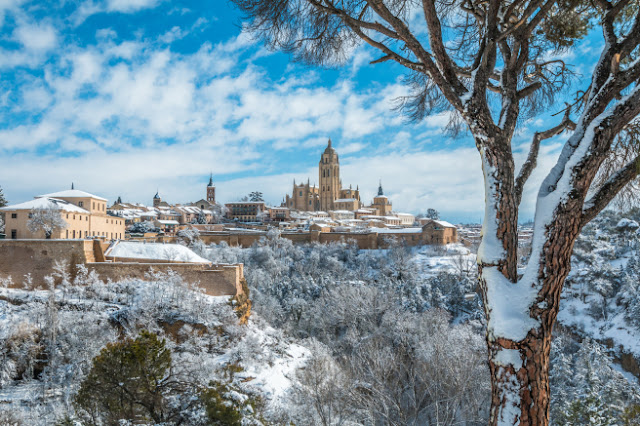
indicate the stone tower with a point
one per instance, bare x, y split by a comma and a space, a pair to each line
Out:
211, 190
156, 199
329, 176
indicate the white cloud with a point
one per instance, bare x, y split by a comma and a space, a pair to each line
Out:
36, 36
129, 6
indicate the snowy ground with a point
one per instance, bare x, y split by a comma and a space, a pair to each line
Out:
156, 251
449, 258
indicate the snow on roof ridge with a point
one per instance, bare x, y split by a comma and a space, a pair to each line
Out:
46, 202
71, 193
444, 223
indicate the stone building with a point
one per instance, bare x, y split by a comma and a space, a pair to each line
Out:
304, 197
381, 203
308, 198
211, 191
85, 216
246, 211
439, 232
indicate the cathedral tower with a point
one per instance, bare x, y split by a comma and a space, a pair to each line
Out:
329, 176
211, 190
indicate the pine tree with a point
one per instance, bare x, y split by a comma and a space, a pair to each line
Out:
3, 200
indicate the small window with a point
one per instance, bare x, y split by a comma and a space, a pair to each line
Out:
81, 204
14, 234
14, 215
30, 215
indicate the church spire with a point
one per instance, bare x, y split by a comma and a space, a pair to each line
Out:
72, 185
380, 192
329, 145
210, 179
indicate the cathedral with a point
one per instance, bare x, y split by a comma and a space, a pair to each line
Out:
329, 194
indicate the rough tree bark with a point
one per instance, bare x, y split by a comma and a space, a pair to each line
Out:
510, 64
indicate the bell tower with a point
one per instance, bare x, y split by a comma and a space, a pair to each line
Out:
329, 177
211, 190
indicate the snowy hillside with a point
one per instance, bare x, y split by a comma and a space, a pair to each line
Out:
337, 335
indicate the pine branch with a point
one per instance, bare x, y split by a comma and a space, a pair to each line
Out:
609, 190
532, 159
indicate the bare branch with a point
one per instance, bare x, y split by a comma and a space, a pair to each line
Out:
532, 159
436, 42
609, 190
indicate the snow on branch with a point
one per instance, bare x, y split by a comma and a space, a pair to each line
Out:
609, 190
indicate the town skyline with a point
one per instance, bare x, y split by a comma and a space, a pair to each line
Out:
126, 100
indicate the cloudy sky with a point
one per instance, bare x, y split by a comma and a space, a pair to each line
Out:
127, 97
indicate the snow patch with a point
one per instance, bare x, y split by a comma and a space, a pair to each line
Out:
506, 357
156, 251
509, 306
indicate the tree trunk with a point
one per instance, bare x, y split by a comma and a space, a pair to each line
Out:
520, 390
520, 367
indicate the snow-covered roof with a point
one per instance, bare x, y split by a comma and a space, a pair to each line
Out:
397, 231
380, 196
169, 222
46, 202
444, 224
156, 251
345, 200
343, 211
71, 193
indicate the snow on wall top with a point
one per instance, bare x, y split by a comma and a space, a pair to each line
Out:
397, 231
71, 193
44, 203
169, 252
444, 224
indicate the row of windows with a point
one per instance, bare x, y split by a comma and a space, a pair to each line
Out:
327, 172
79, 234
73, 234
86, 218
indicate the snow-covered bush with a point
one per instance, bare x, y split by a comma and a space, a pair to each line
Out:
585, 389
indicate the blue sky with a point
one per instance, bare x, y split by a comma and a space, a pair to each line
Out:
126, 97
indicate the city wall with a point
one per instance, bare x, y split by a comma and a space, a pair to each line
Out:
19, 258
217, 280
368, 241
38, 258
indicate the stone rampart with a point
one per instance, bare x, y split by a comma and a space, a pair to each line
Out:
38, 258
217, 280
369, 240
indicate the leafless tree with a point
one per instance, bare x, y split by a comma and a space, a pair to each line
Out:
46, 219
491, 64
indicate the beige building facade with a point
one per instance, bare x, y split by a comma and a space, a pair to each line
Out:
247, 211
85, 216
